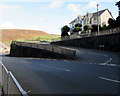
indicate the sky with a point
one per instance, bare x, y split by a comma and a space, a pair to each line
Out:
48, 15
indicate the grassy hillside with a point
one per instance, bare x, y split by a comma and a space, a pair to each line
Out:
9, 35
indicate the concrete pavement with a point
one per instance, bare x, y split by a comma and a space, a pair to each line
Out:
0, 91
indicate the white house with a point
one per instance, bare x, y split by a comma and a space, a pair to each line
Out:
91, 18
75, 21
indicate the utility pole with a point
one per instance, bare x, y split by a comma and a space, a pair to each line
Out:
87, 18
98, 17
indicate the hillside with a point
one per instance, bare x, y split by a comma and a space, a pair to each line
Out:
19, 34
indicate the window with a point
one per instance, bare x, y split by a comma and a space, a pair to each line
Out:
95, 18
90, 20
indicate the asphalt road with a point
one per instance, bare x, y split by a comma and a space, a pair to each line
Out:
96, 72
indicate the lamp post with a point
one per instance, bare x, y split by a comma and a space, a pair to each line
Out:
98, 18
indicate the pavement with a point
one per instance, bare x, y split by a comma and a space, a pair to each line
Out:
96, 72
4, 49
0, 92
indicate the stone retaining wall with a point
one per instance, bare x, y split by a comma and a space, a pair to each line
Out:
26, 49
109, 42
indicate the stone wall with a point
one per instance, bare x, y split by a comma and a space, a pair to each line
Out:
25, 49
109, 42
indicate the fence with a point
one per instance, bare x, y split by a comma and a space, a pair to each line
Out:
10, 85
82, 35
106, 32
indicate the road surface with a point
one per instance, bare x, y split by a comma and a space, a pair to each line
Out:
96, 72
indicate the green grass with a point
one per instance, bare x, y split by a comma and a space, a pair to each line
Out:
47, 38
44, 38
21, 39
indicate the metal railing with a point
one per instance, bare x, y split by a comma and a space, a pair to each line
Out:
10, 85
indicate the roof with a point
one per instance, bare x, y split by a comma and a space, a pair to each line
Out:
100, 12
78, 17
73, 21
93, 14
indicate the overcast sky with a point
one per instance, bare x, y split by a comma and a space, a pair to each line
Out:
47, 15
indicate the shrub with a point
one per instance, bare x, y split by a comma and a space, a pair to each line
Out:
87, 27
65, 29
78, 25
76, 29
95, 28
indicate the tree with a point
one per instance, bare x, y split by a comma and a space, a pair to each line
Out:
95, 28
78, 25
118, 5
87, 27
65, 29
118, 21
112, 23
76, 29
104, 27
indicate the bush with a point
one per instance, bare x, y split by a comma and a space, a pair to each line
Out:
78, 25
76, 29
112, 23
65, 29
104, 27
87, 27
95, 28
118, 21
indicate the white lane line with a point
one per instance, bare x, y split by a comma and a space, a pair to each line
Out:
112, 65
108, 60
109, 79
55, 68
97, 54
103, 64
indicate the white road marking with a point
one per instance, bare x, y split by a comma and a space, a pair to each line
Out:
97, 54
109, 79
112, 65
68, 70
103, 64
105, 55
28, 91
108, 60
55, 68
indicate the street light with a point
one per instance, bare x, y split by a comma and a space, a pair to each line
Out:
98, 18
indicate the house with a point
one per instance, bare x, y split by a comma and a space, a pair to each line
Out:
92, 18
75, 21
